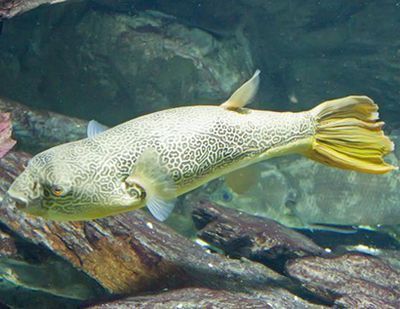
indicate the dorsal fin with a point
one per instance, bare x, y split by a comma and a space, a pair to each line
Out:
95, 128
243, 96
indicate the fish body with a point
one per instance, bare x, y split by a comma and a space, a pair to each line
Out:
197, 143
153, 159
193, 144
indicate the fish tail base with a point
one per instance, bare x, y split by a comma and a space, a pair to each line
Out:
349, 135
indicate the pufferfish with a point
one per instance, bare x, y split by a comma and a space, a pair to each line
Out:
153, 159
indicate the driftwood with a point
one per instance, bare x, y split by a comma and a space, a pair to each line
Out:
33, 277
11, 8
206, 298
38, 130
352, 280
243, 235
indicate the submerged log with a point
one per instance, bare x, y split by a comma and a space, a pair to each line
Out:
243, 235
132, 253
207, 298
352, 280
32, 277
38, 130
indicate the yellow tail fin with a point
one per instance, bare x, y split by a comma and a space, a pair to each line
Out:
349, 136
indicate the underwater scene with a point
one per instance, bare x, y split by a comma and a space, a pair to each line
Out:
199, 154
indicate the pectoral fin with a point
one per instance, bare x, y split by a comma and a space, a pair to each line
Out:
159, 186
159, 208
244, 95
95, 128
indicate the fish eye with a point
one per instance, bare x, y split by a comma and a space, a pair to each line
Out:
57, 190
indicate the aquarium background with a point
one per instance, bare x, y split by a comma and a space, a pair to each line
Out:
115, 60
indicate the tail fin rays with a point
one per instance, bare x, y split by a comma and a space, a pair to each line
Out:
349, 136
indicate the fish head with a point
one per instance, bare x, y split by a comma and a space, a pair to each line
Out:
68, 184
24, 191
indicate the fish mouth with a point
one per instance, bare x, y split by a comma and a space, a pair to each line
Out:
21, 205
18, 201
27, 206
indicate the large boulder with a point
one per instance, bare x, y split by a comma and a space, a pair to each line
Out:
308, 51
114, 66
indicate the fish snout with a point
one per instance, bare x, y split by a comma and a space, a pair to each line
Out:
20, 201
17, 201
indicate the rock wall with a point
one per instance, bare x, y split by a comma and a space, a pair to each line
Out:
113, 60
93, 63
